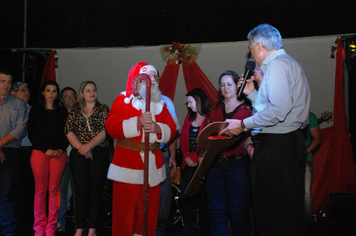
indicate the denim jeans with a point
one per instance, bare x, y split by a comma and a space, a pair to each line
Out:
66, 178
229, 197
165, 198
308, 203
9, 190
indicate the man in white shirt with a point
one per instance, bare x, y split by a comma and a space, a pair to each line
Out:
281, 110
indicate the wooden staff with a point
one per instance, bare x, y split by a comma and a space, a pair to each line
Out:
136, 80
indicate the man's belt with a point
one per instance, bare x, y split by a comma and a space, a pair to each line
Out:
26, 148
224, 159
136, 146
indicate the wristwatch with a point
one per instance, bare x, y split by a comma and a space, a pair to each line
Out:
243, 126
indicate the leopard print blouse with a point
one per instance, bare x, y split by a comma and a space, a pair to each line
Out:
86, 128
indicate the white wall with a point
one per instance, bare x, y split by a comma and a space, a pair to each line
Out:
109, 67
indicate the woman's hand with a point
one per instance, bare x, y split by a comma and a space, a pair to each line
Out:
58, 153
54, 153
190, 163
84, 149
89, 155
200, 159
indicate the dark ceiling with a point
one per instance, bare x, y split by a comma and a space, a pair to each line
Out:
121, 23
117, 23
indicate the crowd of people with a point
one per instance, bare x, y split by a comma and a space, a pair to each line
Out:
254, 186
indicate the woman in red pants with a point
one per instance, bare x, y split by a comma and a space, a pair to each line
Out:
48, 158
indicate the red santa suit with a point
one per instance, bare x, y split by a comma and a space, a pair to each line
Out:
127, 167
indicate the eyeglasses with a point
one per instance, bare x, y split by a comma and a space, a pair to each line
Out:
155, 77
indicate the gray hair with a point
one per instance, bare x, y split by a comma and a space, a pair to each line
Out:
267, 35
16, 86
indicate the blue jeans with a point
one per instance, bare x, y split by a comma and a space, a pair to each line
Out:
66, 178
229, 197
9, 173
165, 198
308, 203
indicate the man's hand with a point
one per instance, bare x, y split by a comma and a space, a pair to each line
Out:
250, 150
173, 164
152, 127
7, 139
2, 155
145, 117
249, 86
234, 127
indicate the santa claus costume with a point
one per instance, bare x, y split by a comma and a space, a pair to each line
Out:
127, 167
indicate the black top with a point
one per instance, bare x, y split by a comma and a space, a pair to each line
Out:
46, 129
193, 135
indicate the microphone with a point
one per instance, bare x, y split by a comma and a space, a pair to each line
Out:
249, 68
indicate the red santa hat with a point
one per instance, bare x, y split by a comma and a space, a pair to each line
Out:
135, 70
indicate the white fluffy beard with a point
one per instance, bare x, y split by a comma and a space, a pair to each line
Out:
155, 93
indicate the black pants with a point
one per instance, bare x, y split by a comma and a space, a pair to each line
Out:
194, 209
26, 198
89, 178
277, 178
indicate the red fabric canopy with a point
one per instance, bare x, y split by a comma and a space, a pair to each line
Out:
334, 167
168, 80
194, 77
49, 71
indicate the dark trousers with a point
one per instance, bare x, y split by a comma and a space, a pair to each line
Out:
229, 196
9, 182
26, 197
89, 179
194, 210
277, 179
165, 197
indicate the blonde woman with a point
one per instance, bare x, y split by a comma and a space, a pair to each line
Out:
89, 158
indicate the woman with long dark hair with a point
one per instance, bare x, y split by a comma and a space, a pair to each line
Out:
196, 119
227, 180
48, 158
89, 158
